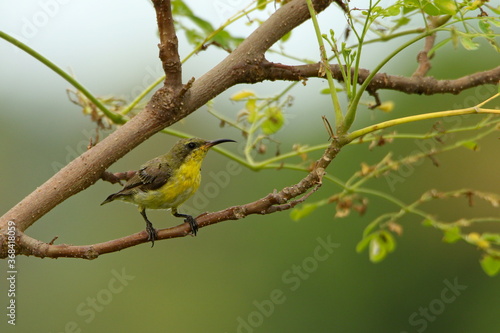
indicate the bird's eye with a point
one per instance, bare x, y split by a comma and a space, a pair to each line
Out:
191, 145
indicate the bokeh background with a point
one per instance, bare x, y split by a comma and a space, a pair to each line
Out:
238, 276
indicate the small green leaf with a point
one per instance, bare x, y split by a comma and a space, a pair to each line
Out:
364, 243
431, 9
452, 235
484, 26
204, 25
454, 37
261, 4
304, 210
193, 36
493, 238
490, 265
468, 44
472, 145
496, 23
286, 36
377, 251
446, 6
392, 10
387, 238
401, 21
428, 223
495, 10
274, 120
228, 42
251, 107
244, 94
180, 8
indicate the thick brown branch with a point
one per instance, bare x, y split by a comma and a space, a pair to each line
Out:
409, 85
273, 202
423, 57
169, 54
117, 177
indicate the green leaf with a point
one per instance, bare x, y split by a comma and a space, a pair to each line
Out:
428, 223
227, 41
261, 4
303, 211
274, 120
243, 94
431, 9
389, 241
493, 238
446, 6
495, 22
495, 10
472, 145
484, 26
204, 25
253, 114
454, 37
381, 243
452, 235
490, 265
193, 36
401, 21
468, 44
377, 251
364, 243
180, 8
392, 10
286, 36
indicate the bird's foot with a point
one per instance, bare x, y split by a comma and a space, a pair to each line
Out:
188, 219
152, 234
192, 223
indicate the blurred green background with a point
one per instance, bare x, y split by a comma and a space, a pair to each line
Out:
259, 274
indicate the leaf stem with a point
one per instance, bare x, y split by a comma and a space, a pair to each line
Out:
339, 117
116, 118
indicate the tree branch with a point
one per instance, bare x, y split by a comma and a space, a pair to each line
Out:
273, 202
166, 107
410, 85
169, 54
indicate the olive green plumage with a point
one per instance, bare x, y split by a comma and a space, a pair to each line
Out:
166, 181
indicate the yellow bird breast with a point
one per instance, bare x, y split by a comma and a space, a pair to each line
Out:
180, 187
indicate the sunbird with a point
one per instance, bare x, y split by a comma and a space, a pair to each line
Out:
166, 181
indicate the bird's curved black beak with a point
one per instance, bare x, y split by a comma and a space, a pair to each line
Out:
216, 142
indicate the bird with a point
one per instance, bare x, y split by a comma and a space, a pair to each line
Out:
167, 181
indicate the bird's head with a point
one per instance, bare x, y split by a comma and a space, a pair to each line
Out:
193, 149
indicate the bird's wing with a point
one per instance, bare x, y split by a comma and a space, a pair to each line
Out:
153, 175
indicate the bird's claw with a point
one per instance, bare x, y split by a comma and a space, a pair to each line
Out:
193, 224
152, 234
